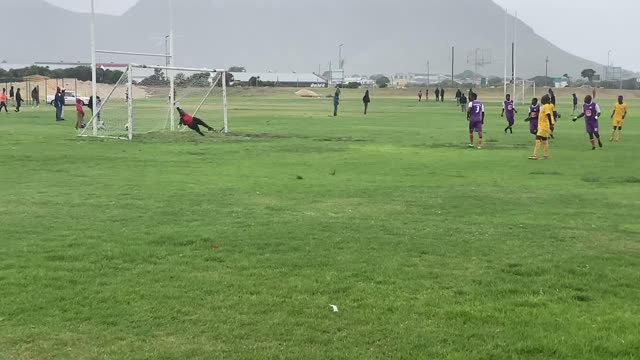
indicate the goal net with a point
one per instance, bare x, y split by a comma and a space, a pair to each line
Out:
145, 99
528, 89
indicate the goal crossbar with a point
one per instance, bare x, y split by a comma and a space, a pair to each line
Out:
173, 68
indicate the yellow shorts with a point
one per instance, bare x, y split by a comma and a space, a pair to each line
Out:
618, 123
544, 132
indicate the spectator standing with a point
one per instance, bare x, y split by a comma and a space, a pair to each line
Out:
366, 100
57, 103
19, 100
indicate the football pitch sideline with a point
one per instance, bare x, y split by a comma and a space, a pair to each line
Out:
175, 246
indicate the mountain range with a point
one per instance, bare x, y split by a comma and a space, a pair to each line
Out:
292, 35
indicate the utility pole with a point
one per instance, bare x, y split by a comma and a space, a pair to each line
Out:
94, 76
166, 50
606, 69
453, 56
475, 74
546, 72
428, 75
340, 56
513, 64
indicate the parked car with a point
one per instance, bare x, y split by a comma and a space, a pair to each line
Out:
69, 99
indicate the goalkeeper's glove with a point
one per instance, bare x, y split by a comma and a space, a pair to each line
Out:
575, 119
596, 118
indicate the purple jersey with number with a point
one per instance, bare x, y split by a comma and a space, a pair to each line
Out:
534, 111
533, 118
509, 109
475, 111
590, 111
591, 117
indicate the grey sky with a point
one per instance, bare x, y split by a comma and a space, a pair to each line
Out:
586, 28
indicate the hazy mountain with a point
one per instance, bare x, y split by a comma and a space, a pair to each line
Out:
286, 35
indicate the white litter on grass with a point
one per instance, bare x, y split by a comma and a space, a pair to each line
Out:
334, 308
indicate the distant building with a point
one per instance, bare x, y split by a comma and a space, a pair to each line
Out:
282, 79
560, 82
363, 81
336, 77
400, 80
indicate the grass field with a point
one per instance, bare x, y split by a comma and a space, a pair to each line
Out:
173, 246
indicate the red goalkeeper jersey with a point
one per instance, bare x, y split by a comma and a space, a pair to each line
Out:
186, 119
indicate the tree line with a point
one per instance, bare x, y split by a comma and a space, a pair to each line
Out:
82, 73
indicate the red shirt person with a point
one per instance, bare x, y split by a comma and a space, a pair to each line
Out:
3, 100
192, 122
80, 113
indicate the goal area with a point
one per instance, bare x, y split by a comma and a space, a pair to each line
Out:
146, 97
528, 89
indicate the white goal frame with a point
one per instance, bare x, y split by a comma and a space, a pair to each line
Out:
170, 70
526, 84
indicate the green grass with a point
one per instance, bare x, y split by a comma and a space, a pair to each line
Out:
174, 246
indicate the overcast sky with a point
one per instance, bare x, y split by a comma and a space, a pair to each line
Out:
587, 28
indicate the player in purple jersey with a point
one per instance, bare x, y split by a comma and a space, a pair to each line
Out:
591, 113
509, 109
534, 112
475, 116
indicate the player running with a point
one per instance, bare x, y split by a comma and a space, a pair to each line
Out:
193, 123
534, 111
618, 116
545, 126
591, 113
475, 116
510, 110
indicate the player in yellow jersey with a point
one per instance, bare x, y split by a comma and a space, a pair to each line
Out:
545, 127
618, 116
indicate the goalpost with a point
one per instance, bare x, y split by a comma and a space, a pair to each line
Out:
528, 91
145, 99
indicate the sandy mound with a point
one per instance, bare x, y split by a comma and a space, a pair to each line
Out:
307, 94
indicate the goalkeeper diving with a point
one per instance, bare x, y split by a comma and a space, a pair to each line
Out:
192, 122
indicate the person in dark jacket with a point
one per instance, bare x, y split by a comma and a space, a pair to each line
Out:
90, 104
35, 97
336, 103
437, 94
575, 104
19, 100
12, 93
58, 104
552, 96
366, 100
442, 95
458, 96
463, 102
